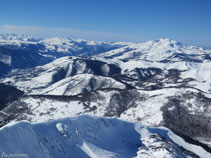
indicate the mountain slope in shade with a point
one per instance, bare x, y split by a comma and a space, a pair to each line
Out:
77, 69
8, 94
81, 84
22, 51
87, 136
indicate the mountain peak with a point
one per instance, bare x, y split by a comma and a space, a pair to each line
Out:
166, 42
171, 41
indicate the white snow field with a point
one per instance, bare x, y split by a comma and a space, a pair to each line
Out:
93, 137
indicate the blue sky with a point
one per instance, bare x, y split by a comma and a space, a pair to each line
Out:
188, 21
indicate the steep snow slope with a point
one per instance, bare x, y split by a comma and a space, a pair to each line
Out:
94, 137
78, 71
81, 83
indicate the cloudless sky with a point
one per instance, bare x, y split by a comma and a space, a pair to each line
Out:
188, 21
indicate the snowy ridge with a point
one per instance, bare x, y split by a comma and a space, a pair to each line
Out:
60, 44
156, 50
198, 74
22, 51
102, 137
74, 74
80, 84
13, 39
66, 45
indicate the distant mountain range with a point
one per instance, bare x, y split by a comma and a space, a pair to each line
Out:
160, 83
22, 51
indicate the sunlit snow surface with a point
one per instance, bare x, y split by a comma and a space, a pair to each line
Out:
87, 136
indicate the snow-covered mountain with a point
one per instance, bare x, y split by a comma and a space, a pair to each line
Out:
79, 47
59, 44
73, 86
87, 136
163, 50
15, 39
157, 83
22, 51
